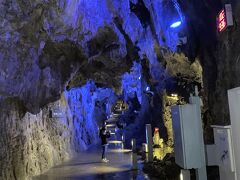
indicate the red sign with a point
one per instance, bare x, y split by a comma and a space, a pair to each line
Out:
221, 21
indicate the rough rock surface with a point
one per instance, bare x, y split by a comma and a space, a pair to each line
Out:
45, 43
226, 59
30, 144
218, 54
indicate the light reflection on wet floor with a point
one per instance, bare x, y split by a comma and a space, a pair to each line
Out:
88, 166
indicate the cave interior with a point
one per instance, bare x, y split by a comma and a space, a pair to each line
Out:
68, 66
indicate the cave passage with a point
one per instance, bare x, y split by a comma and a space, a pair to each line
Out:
87, 87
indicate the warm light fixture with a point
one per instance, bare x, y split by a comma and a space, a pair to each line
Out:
181, 176
174, 95
176, 24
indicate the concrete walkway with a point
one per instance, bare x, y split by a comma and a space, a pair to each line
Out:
88, 166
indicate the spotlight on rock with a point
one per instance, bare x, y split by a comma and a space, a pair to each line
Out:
148, 92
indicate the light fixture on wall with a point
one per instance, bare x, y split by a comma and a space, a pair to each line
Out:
178, 17
176, 24
148, 91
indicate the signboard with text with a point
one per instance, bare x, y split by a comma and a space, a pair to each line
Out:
224, 18
221, 21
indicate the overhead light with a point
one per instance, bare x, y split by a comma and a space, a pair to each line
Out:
176, 24
174, 95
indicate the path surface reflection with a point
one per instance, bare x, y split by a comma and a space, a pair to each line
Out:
88, 166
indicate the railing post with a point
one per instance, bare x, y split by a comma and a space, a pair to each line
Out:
185, 174
149, 140
134, 155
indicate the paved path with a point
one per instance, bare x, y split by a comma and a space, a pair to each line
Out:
88, 166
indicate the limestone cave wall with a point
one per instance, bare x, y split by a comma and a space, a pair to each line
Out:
32, 143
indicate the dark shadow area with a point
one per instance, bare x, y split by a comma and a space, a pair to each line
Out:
141, 12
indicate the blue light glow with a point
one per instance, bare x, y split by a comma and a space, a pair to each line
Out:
130, 84
148, 88
176, 24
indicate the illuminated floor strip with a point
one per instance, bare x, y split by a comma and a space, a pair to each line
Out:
115, 142
111, 120
120, 150
111, 125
